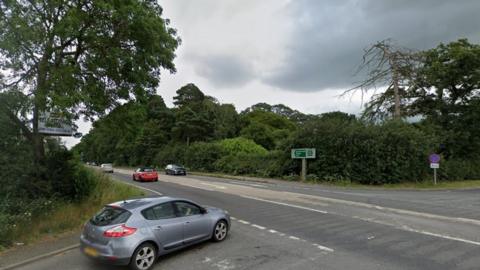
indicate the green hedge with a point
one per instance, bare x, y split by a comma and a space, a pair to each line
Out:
369, 154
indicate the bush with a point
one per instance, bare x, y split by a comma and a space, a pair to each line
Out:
85, 182
369, 154
241, 145
459, 170
170, 154
202, 156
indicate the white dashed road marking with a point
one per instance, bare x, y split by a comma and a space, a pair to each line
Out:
287, 204
258, 227
243, 221
323, 248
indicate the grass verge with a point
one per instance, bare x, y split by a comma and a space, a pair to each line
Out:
425, 185
70, 216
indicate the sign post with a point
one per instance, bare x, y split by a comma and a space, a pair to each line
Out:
304, 154
434, 164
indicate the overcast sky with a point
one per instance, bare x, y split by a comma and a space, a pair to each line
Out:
302, 53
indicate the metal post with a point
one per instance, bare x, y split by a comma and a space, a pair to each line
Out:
435, 176
304, 169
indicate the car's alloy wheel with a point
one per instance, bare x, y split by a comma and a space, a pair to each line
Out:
220, 231
144, 257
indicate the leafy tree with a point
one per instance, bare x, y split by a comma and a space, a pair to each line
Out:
281, 110
188, 95
191, 126
447, 81
82, 57
194, 115
227, 121
260, 134
266, 128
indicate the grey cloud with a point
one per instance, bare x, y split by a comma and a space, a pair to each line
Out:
328, 42
223, 70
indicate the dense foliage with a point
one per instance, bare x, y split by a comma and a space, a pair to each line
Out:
205, 135
24, 194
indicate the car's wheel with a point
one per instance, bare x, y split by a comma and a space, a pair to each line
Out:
144, 257
220, 231
133, 178
156, 179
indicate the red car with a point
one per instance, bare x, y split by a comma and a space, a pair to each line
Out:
145, 174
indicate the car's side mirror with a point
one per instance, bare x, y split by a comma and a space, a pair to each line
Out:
203, 210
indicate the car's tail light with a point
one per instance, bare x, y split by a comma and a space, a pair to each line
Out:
119, 231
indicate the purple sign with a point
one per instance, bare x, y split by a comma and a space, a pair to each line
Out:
434, 158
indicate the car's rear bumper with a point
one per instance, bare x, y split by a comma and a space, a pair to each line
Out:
102, 254
148, 178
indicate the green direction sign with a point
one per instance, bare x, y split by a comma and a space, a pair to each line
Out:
303, 153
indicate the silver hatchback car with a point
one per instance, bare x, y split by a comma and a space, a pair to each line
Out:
136, 232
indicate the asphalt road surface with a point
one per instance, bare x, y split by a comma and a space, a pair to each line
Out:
282, 225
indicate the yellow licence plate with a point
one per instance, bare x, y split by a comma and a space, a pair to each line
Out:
90, 251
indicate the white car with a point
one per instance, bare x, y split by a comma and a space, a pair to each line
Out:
107, 167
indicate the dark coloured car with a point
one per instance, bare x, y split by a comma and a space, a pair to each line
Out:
173, 169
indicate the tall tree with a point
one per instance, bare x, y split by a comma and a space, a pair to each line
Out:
188, 95
386, 64
81, 57
447, 81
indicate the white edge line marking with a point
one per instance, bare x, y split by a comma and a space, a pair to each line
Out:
243, 221
213, 185
294, 238
144, 188
258, 227
443, 236
287, 204
272, 231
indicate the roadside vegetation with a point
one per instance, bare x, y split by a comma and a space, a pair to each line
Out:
50, 210
440, 112
59, 61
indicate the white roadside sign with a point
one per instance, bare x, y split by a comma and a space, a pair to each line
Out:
56, 126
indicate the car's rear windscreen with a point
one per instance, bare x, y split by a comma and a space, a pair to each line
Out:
110, 216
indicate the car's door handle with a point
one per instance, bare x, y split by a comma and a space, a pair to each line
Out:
187, 222
158, 227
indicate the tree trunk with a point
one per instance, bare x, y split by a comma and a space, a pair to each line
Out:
38, 146
393, 64
39, 104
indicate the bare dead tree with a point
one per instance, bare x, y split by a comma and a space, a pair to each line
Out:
388, 65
